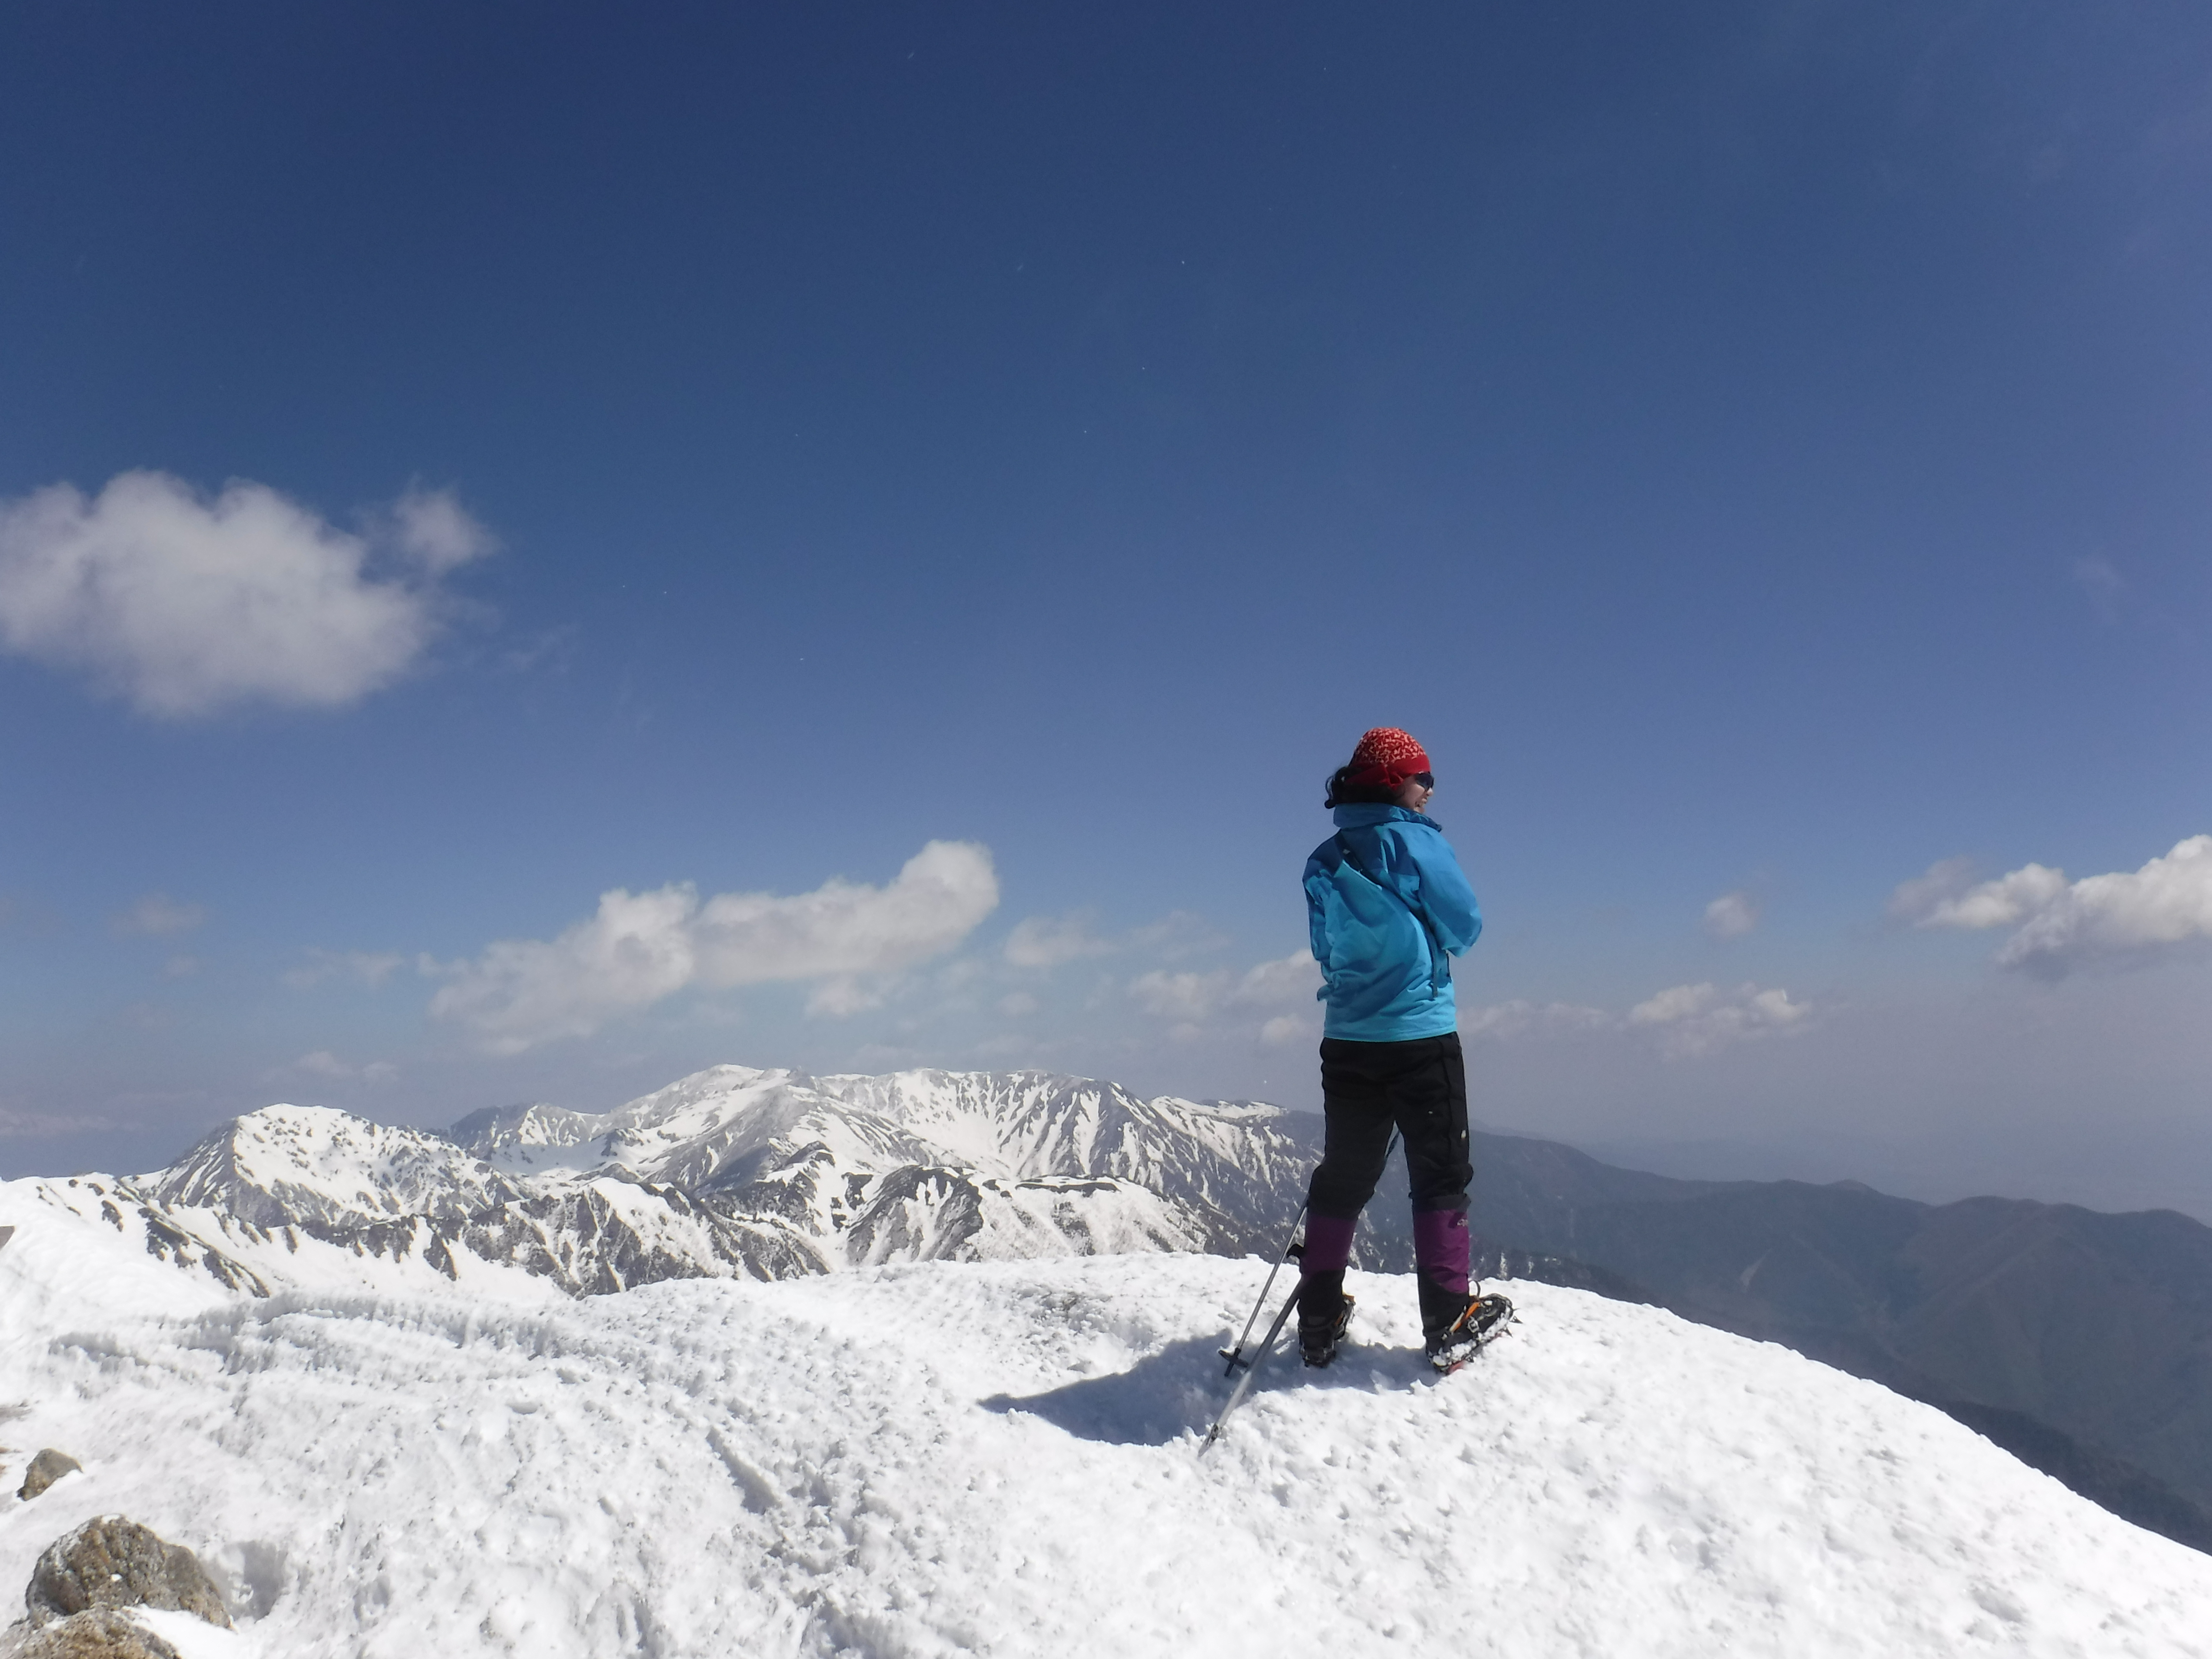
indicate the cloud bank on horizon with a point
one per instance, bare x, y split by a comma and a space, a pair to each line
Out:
638, 949
185, 606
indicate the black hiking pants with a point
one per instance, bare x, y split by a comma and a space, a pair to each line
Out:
1418, 1088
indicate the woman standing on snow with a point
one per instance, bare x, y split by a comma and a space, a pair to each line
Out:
1388, 908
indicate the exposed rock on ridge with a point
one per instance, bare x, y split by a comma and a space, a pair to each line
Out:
109, 1562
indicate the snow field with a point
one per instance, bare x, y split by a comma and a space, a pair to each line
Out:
1000, 1458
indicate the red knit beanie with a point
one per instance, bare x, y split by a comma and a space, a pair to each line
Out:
1386, 758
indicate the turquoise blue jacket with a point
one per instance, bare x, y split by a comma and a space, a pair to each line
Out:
1388, 908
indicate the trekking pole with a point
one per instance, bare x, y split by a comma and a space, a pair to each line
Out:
1251, 1373
1292, 1251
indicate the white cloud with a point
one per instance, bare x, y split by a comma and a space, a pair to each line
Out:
1178, 934
2063, 924
1687, 1020
1185, 996
1192, 999
184, 606
640, 947
370, 968
158, 916
1292, 979
1702, 1019
2010, 898
1684, 1021
1504, 1021
1048, 941
841, 996
1677, 1003
1289, 978
438, 532
1732, 915
1915, 901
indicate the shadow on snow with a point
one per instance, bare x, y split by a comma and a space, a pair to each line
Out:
1181, 1389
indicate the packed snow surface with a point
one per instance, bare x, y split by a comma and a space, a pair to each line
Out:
1001, 1458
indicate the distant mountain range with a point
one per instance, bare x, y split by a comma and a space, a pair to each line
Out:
2081, 1341
733, 1170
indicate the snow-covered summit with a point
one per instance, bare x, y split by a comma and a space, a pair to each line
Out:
1224, 1155
998, 1458
529, 1128
728, 1125
292, 1164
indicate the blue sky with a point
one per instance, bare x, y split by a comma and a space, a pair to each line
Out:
1761, 453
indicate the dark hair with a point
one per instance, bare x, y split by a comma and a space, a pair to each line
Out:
1344, 793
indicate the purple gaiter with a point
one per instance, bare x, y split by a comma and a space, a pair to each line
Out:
1329, 1244
1440, 1248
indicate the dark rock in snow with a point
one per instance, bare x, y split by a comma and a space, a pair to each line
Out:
86, 1636
48, 1467
110, 1563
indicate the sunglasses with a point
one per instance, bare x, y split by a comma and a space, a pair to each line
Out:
1426, 780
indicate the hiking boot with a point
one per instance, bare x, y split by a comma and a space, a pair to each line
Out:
1482, 1318
1317, 1338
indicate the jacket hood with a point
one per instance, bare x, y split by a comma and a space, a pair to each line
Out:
1365, 815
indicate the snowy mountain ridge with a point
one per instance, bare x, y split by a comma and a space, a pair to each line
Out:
698, 1132
732, 1170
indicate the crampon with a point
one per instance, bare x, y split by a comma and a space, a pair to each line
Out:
1484, 1320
